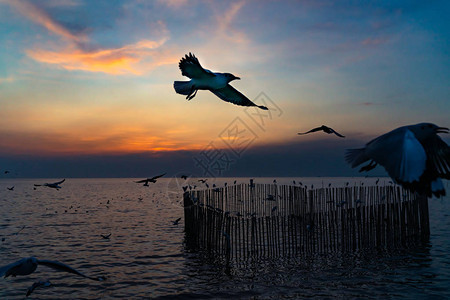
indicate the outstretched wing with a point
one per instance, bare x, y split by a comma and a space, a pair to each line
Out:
59, 182
230, 94
142, 181
438, 153
156, 177
336, 133
401, 154
190, 67
6, 270
312, 130
63, 267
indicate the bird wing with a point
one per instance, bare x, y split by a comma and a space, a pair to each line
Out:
400, 153
190, 67
336, 133
36, 285
6, 270
38, 185
63, 267
312, 130
59, 182
156, 177
438, 153
230, 94
143, 180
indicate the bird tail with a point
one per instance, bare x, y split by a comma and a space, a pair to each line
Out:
355, 156
262, 107
183, 87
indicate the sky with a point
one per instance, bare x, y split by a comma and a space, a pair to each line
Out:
86, 87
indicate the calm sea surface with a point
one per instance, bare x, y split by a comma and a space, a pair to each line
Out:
145, 256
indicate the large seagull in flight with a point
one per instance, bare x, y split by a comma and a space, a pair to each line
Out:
203, 79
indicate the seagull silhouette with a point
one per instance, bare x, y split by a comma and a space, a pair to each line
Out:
414, 156
106, 237
203, 79
153, 180
55, 185
28, 265
176, 221
10, 188
323, 128
37, 284
184, 177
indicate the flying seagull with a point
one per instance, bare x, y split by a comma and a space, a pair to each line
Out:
55, 185
414, 156
28, 265
176, 221
323, 128
153, 179
203, 79
10, 188
106, 237
37, 284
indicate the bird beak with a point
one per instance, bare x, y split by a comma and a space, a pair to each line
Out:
442, 130
237, 78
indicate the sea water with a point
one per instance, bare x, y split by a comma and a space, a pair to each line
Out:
145, 256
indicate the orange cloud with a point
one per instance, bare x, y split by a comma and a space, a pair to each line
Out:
116, 61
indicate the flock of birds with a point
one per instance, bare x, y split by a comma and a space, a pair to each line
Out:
414, 156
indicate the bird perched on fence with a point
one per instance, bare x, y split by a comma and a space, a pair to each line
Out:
323, 128
203, 79
414, 156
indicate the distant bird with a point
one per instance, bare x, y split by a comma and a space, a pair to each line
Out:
106, 237
252, 185
203, 79
185, 188
324, 129
55, 185
37, 284
414, 156
153, 180
275, 181
184, 177
10, 188
6, 172
234, 182
28, 265
203, 180
176, 221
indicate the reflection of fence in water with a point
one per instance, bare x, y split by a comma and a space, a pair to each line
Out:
268, 220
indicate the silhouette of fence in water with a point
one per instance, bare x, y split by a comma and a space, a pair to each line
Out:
269, 220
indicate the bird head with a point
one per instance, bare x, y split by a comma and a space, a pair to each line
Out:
425, 130
230, 77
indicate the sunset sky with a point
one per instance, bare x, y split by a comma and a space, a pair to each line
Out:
86, 87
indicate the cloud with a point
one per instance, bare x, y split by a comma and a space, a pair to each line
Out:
8, 79
174, 3
225, 21
40, 16
79, 53
134, 59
